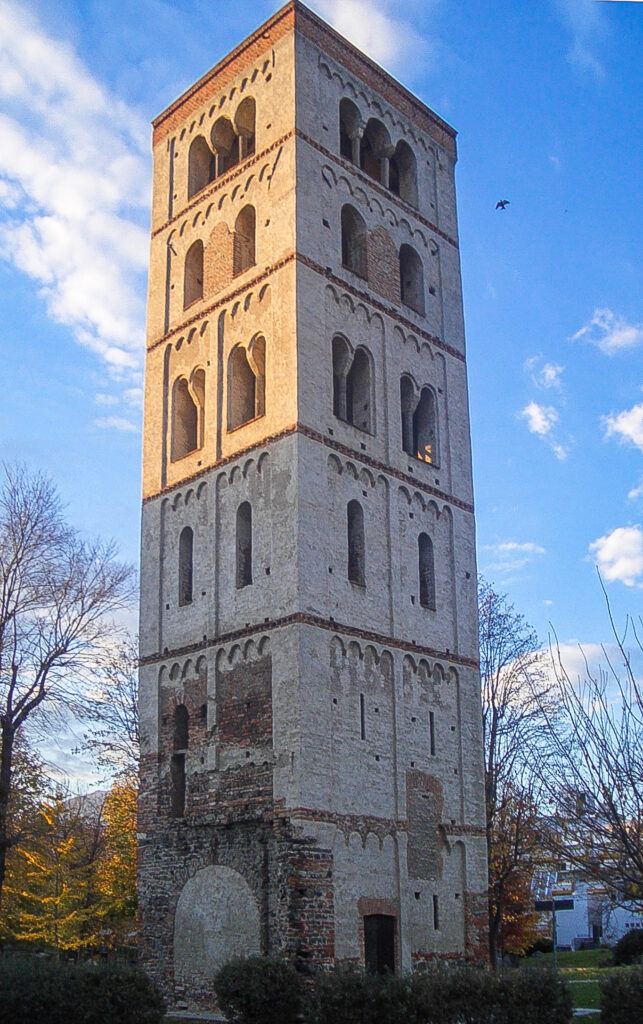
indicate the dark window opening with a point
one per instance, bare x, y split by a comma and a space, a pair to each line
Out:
185, 420
186, 542
411, 279
436, 913
379, 943
432, 732
354, 241
244, 120
193, 276
201, 166
349, 123
362, 717
356, 545
244, 240
426, 571
244, 545
403, 174
177, 785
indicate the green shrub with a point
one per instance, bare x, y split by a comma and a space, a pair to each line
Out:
622, 997
259, 990
443, 995
629, 947
33, 991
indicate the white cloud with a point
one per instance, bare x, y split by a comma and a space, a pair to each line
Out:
626, 425
636, 492
74, 179
547, 376
116, 423
610, 332
510, 555
106, 401
374, 27
541, 419
619, 555
586, 25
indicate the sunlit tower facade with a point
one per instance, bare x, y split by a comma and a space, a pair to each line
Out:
311, 770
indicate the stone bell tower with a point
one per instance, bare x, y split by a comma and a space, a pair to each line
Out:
311, 772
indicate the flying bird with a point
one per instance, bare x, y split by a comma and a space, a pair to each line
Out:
502, 204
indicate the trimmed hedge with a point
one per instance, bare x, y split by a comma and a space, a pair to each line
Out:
629, 948
33, 991
259, 990
266, 991
622, 997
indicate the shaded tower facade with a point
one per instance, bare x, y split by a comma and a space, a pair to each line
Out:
311, 771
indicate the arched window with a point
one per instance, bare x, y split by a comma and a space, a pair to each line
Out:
424, 428
341, 366
354, 241
349, 121
426, 571
358, 392
411, 279
356, 544
352, 385
246, 383
244, 545
200, 166
419, 422
375, 147
244, 120
188, 414
184, 420
177, 763
193, 276
225, 143
186, 542
403, 173
244, 240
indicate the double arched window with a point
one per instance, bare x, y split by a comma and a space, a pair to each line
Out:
419, 422
231, 140
369, 146
246, 382
353, 385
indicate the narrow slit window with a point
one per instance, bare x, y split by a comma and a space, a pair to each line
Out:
186, 562
362, 717
356, 545
436, 913
432, 732
426, 567
244, 545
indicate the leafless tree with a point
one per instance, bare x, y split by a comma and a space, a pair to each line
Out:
57, 595
514, 693
593, 768
112, 709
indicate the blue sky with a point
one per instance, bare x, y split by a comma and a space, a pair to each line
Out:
547, 101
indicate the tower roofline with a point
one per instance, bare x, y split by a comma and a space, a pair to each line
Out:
294, 15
